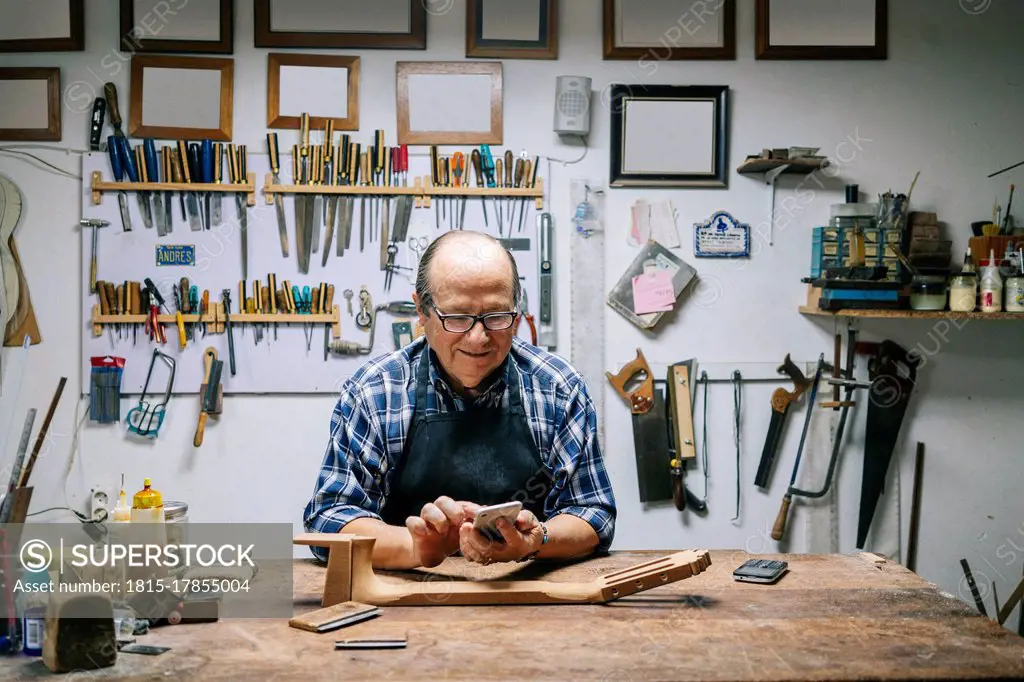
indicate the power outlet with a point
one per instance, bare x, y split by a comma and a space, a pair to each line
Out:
98, 501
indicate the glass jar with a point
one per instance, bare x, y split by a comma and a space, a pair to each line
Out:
928, 293
1015, 294
176, 518
963, 292
991, 288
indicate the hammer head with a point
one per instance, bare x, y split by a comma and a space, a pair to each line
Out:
93, 222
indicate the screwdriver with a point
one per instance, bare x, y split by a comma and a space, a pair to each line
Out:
458, 168
474, 160
509, 169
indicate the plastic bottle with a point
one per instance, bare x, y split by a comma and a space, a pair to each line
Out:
122, 511
147, 505
1015, 290
991, 286
33, 617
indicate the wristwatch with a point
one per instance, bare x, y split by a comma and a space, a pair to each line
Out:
534, 554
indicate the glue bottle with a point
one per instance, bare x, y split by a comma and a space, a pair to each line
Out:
122, 512
991, 286
147, 505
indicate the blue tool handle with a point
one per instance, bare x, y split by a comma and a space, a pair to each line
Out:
297, 297
152, 165
307, 299
114, 150
128, 160
207, 159
193, 298
194, 162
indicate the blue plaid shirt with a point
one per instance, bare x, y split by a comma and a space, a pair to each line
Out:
375, 410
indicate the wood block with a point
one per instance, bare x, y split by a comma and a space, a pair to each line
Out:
79, 632
925, 232
923, 218
930, 246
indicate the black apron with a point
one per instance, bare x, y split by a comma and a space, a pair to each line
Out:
482, 455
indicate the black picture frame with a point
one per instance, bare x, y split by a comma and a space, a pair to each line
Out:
621, 95
764, 49
545, 47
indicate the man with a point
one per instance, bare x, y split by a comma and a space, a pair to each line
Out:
468, 416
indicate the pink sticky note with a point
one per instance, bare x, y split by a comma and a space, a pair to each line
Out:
653, 293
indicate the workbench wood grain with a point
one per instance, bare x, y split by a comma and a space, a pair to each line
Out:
838, 617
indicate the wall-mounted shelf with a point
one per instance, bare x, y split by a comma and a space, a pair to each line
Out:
99, 186
771, 169
217, 319
795, 166
911, 314
421, 190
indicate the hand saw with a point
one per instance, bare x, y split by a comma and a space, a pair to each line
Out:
893, 375
681, 389
780, 401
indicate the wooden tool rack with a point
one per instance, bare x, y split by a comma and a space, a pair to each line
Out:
217, 319
99, 186
422, 189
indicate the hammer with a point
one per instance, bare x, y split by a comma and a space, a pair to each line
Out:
94, 223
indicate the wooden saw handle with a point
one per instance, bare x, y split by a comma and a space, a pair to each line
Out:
642, 399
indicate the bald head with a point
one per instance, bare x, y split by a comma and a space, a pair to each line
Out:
460, 255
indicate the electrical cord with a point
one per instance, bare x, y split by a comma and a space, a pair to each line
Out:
737, 400
586, 148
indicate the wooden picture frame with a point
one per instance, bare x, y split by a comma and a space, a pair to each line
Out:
669, 136
478, 99
220, 99
518, 42
74, 41
317, 118
684, 31
314, 35
49, 125
161, 28
848, 31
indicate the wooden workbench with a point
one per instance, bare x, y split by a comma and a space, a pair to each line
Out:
832, 617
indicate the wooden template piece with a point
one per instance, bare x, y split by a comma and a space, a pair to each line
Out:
682, 415
365, 587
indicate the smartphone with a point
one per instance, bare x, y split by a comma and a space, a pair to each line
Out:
764, 571
487, 517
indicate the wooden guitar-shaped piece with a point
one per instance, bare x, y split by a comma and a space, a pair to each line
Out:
16, 313
350, 577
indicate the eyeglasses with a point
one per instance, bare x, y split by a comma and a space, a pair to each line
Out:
460, 323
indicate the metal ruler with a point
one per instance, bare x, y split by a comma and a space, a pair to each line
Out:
587, 294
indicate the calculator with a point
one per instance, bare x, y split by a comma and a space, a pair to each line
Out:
765, 571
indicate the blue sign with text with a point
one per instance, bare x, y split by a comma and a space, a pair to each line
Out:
175, 254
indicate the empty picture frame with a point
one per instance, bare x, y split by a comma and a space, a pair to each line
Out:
381, 24
651, 31
42, 26
32, 106
182, 97
324, 86
205, 26
525, 29
449, 102
822, 29
669, 136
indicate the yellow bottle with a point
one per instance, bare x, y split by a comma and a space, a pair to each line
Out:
147, 505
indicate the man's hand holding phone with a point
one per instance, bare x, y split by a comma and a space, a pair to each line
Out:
503, 532
437, 531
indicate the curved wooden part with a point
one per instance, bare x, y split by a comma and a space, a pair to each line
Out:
642, 399
356, 581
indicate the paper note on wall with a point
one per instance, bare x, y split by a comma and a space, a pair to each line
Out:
652, 292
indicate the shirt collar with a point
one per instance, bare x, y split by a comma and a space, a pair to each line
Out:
489, 397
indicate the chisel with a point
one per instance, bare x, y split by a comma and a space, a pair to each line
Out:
99, 110
188, 170
132, 171
275, 169
152, 168
218, 177
117, 168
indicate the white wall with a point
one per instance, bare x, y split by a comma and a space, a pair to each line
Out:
947, 102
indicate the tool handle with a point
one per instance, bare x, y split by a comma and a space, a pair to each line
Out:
304, 133
152, 165
378, 148
101, 289
474, 161
128, 159
403, 158
232, 164
509, 166
272, 149
435, 168
388, 158
520, 168
197, 440
99, 110
272, 289
458, 167
114, 152
779, 529
329, 303
335, 153
344, 155
499, 177
186, 171
364, 167
218, 161
328, 136
206, 162
243, 164
140, 164
110, 93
